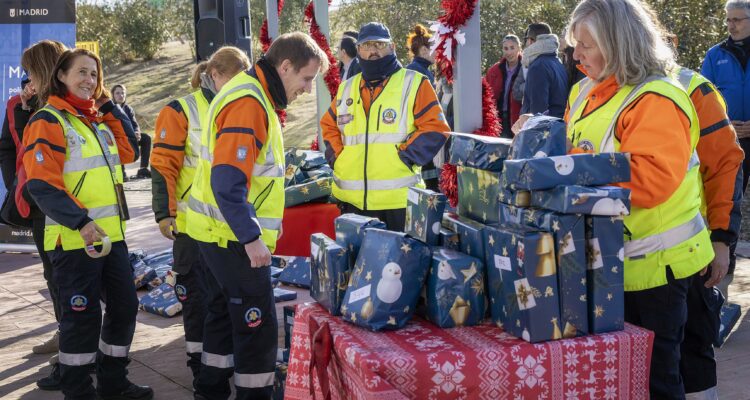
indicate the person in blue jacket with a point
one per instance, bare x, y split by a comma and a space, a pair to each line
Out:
546, 90
726, 66
418, 43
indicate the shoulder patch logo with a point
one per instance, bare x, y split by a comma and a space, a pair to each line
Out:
389, 116
78, 302
253, 317
241, 153
39, 156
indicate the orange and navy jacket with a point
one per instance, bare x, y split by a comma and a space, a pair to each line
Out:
243, 123
429, 137
168, 155
45, 179
721, 165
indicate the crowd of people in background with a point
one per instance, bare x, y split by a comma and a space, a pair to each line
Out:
65, 141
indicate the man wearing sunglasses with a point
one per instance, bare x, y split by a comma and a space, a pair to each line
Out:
726, 66
383, 125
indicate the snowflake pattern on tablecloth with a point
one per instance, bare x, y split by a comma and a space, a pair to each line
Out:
447, 377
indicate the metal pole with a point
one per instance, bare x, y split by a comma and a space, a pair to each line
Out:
321, 90
467, 72
272, 15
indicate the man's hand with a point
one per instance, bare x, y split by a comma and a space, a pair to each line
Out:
742, 129
516, 128
92, 233
258, 254
168, 228
719, 266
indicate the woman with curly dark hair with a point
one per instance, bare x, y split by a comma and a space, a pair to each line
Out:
418, 43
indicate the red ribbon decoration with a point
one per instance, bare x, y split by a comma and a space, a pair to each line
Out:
265, 40
457, 13
323, 355
331, 78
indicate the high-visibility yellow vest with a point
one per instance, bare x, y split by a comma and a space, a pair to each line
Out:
671, 234
368, 173
92, 168
204, 219
195, 108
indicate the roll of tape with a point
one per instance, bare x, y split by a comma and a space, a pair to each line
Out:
106, 248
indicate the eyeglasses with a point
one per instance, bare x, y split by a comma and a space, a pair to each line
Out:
369, 46
734, 21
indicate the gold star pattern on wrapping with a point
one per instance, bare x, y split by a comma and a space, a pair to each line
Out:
478, 286
598, 311
405, 248
549, 292
484, 215
505, 251
392, 320
583, 281
582, 298
432, 202
614, 269
469, 207
304, 190
555, 225
513, 240
501, 196
344, 309
289, 171
518, 323
353, 318
469, 272
609, 296
491, 241
406, 309
493, 157
368, 277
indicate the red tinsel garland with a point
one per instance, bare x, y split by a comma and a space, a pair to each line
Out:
331, 78
457, 13
314, 145
265, 40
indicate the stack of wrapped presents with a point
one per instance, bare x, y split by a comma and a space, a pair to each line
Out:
308, 177
535, 244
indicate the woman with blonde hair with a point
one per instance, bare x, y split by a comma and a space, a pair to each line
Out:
74, 146
418, 43
627, 104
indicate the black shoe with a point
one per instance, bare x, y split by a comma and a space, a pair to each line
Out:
52, 381
143, 173
132, 392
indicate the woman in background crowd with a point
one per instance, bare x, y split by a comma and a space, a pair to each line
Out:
119, 96
501, 78
418, 43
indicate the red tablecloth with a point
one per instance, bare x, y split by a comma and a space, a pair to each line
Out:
423, 361
302, 221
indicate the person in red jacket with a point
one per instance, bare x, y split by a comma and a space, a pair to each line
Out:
501, 77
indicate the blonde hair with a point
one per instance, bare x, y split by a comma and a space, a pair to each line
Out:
195, 80
40, 60
629, 36
228, 61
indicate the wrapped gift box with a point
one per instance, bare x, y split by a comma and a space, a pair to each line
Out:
307, 191
320, 172
526, 262
424, 213
164, 274
350, 230
275, 271
602, 200
161, 301
469, 232
569, 234
160, 257
288, 324
478, 193
575, 169
518, 198
606, 253
296, 270
142, 274
305, 159
293, 175
329, 268
449, 239
386, 280
494, 261
455, 289
543, 137
728, 317
481, 152
281, 295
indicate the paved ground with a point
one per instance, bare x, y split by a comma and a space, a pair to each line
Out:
158, 356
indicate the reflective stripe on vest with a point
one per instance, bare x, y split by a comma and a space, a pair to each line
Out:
194, 130
378, 185
666, 239
684, 78
93, 213
585, 86
374, 138
214, 212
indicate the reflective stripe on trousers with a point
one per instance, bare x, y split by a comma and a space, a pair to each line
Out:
386, 184
214, 213
665, 240
194, 347
217, 360
113, 350
254, 380
76, 359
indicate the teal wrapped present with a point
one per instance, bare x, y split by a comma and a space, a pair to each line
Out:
569, 234
329, 268
606, 254
481, 152
320, 172
478, 194
518, 198
602, 200
449, 239
575, 169
350, 231
161, 301
307, 191
424, 213
142, 274
543, 136
296, 270
386, 280
469, 232
455, 289
525, 259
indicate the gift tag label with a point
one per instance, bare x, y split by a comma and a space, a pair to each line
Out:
413, 197
502, 263
360, 294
